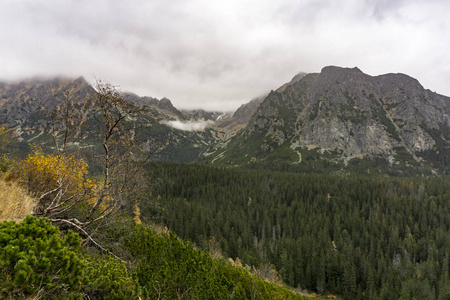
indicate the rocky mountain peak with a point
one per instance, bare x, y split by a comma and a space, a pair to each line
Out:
345, 76
351, 114
339, 71
21, 100
298, 77
243, 114
165, 103
390, 83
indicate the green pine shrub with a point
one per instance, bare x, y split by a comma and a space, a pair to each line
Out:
108, 278
36, 260
169, 268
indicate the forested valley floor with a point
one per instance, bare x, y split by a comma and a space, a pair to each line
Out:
207, 232
359, 237
119, 258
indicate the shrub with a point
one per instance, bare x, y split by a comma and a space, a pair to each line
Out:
5, 164
59, 181
108, 278
36, 259
41, 172
168, 268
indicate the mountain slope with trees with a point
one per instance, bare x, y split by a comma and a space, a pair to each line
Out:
82, 153
344, 119
375, 238
117, 259
344, 115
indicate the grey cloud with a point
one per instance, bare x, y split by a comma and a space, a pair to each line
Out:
382, 8
218, 55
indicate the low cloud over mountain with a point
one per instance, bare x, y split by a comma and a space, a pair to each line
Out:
198, 125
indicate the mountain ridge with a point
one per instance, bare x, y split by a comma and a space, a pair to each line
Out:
27, 106
338, 115
350, 114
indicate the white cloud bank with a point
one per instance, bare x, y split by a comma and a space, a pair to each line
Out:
217, 55
189, 125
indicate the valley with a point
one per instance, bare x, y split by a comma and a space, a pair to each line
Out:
335, 184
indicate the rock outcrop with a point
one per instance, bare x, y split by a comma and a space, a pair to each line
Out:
344, 111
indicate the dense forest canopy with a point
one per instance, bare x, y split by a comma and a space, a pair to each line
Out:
355, 236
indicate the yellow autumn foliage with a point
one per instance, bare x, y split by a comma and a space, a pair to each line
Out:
42, 172
137, 214
93, 189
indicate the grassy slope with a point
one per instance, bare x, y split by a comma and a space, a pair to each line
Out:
15, 203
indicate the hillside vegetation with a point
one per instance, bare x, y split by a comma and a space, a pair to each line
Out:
379, 238
285, 221
40, 262
15, 203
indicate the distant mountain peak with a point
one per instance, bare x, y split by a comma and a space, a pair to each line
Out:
165, 103
333, 73
351, 114
340, 69
298, 77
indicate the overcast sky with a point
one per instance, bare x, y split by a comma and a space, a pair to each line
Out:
220, 54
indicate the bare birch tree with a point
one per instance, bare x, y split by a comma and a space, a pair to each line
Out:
73, 198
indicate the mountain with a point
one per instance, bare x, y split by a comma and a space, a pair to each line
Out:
337, 120
245, 112
26, 107
27, 101
344, 116
164, 105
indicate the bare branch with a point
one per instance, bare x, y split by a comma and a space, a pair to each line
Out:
93, 201
87, 235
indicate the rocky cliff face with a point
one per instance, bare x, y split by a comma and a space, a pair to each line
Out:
245, 112
164, 105
26, 107
351, 114
338, 115
30, 100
